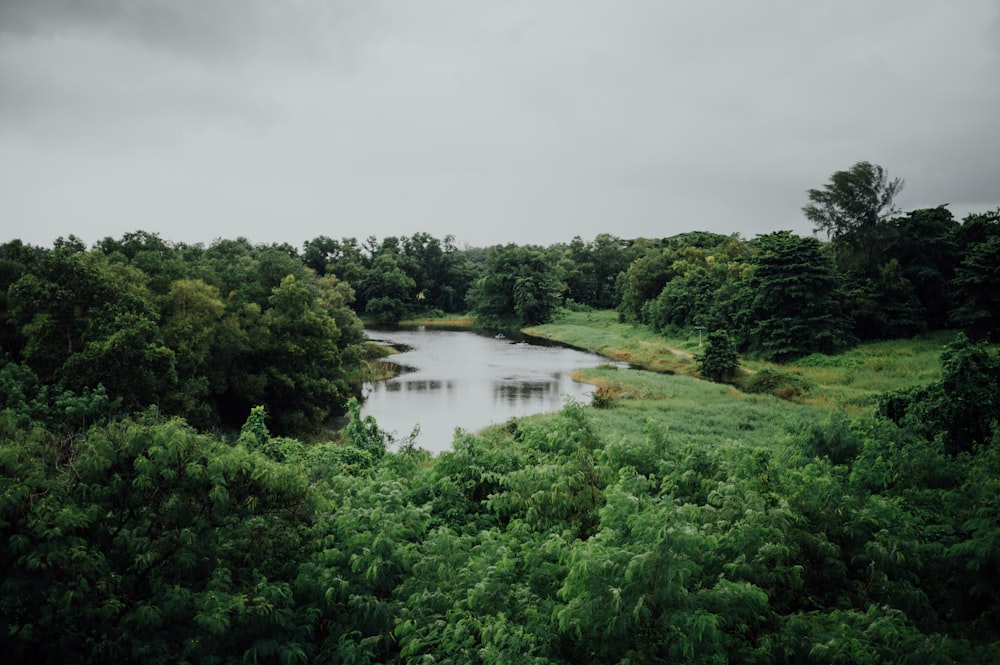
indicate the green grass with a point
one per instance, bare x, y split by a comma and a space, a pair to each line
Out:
851, 381
691, 411
445, 322
600, 332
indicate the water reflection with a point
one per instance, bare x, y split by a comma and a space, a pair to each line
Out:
457, 379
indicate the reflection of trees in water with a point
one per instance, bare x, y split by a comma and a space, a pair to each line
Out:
523, 390
417, 386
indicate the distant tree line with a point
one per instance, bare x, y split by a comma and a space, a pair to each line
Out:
208, 332
202, 333
877, 274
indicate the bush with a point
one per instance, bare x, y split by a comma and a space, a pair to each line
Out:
719, 360
833, 438
775, 382
604, 398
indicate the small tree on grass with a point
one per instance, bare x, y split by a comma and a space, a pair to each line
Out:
719, 360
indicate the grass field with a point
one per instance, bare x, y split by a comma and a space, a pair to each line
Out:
689, 411
850, 381
446, 322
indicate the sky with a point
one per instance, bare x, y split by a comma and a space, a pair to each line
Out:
524, 121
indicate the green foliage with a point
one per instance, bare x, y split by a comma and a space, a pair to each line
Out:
555, 540
962, 407
924, 242
885, 307
27, 401
590, 270
645, 278
685, 522
363, 432
389, 292
834, 438
977, 280
518, 285
201, 333
719, 360
150, 543
775, 382
855, 210
790, 300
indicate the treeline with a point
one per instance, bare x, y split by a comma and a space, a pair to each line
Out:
878, 274
202, 333
208, 332
544, 542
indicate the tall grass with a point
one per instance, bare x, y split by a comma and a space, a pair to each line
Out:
850, 381
691, 411
853, 380
601, 332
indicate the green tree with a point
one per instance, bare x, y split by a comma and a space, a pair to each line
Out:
719, 360
16, 260
126, 355
590, 270
343, 258
643, 281
153, 544
693, 299
977, 278
52, 305
519, 286
855, 209
438, 269
791, 303
924, 242
389, 293
192, 318
962, 407
302, 360
886, 307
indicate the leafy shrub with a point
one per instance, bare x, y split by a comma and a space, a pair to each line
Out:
719, 361
833, 438
574, 306
961, 408
604, 398
775, 382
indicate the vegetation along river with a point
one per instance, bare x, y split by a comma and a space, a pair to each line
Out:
452, 379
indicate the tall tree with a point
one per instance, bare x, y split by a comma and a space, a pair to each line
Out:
644, 280
303, 362
854, 209
791, 300
342, 258
719, 360
977, 284
389, 293
924, 242
519, 286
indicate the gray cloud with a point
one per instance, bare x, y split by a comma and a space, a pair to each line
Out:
516, 121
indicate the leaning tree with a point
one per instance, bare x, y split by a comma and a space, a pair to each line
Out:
855, 210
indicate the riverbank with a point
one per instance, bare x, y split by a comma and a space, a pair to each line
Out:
370, 365
600, 332
851, 381
445, 322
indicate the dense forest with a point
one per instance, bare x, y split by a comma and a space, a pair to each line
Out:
185, 475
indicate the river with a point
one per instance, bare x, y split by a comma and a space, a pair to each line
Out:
458, 379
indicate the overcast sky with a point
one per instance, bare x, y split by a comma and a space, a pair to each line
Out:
526, 121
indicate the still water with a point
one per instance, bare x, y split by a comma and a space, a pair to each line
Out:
460, 379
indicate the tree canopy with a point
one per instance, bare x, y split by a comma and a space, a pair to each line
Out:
854, 209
